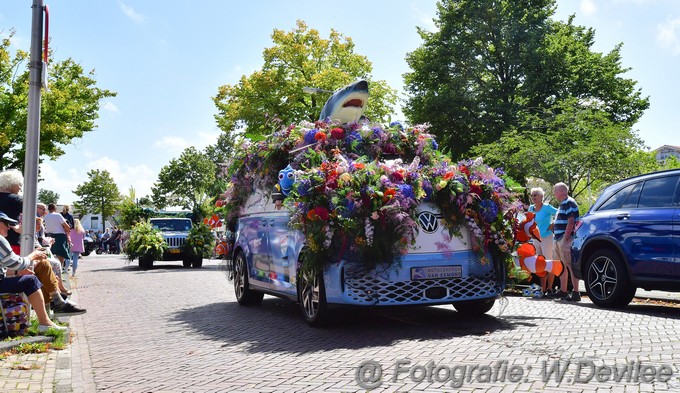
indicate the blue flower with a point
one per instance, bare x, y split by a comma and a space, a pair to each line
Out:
303, 187
406, 190
353, 136
309, 136
435, 146
489, 210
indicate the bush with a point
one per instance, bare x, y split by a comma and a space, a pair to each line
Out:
145, 241
200, 241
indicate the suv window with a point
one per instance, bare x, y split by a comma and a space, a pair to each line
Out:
172, 225
632, 201
658, 192
616, 200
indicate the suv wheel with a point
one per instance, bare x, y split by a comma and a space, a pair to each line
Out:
313, 299
244, 295
474, 307
197, 261
607, 281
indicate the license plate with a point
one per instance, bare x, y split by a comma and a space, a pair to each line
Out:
174, 251
430, 272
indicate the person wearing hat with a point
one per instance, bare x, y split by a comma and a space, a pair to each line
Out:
25, 281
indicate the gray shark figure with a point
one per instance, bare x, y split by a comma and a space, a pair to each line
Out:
346, 104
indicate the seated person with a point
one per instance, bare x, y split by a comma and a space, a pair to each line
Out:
25, 281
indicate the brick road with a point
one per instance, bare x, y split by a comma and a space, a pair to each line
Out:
173, 329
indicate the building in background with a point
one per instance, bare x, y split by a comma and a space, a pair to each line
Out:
666, 151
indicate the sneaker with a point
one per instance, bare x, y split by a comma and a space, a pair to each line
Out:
556, 295
44, 328
573, 297
67, 309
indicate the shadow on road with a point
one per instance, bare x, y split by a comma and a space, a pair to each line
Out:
278, 326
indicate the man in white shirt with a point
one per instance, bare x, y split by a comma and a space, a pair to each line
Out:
57, 228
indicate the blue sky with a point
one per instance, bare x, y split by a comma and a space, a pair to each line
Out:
166, 59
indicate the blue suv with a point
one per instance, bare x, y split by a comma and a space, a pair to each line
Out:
629, 239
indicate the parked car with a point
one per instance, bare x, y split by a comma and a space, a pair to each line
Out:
175, 232
629, 239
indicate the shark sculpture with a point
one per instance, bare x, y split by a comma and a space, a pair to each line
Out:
347, 104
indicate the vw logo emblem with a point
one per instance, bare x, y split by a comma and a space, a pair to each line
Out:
428, 221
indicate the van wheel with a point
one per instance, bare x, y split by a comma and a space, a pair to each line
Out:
474, 307
244, 295
312, 293
607, 281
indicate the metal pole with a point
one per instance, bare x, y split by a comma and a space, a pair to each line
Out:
32, 132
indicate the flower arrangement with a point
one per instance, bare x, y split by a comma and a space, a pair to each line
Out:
145, 242
358, 186
200, 241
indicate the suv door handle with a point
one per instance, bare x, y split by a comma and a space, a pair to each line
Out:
264, 223
623, 216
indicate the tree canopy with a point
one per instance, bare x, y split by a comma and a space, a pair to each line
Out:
99, 194
185, 181
495, 69
260, 103
48, 196
68, 109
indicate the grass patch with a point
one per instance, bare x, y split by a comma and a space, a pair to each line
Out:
60, 340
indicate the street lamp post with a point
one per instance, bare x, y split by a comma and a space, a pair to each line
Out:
32, 132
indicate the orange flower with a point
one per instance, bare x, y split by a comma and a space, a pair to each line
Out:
320, 136
358, 165
388, 194
448, 175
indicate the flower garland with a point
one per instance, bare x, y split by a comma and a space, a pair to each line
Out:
358, 187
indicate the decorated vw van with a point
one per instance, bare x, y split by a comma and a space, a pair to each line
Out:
346, 212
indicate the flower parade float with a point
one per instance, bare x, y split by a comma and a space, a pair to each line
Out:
344, 211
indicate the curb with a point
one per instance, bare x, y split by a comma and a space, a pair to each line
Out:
9, 345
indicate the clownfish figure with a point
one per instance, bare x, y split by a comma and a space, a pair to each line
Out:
213, 222
528, 260
222, 248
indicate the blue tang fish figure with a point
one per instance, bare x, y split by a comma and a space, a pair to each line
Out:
346, 104
286, 179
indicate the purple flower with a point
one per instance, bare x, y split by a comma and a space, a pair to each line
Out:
353, 136
303, 187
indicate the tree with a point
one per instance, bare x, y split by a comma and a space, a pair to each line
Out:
98, 195
68, 109
133, 211
274, 95
47, 197
579, 145
493, 64
184, 181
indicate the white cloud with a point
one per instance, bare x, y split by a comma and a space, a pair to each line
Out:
141, 177
110, 107
588, 7
425, 21
668, 34
177, 144
131, 13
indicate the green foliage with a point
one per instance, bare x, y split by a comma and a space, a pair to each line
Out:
145, 241
98, 195
48, 196
132, 211
185, 180
200, 241
68, 110
272, 96
500, 70
578, 144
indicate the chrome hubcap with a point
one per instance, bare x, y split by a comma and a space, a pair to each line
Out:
310, 296
239, 277
602, 278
